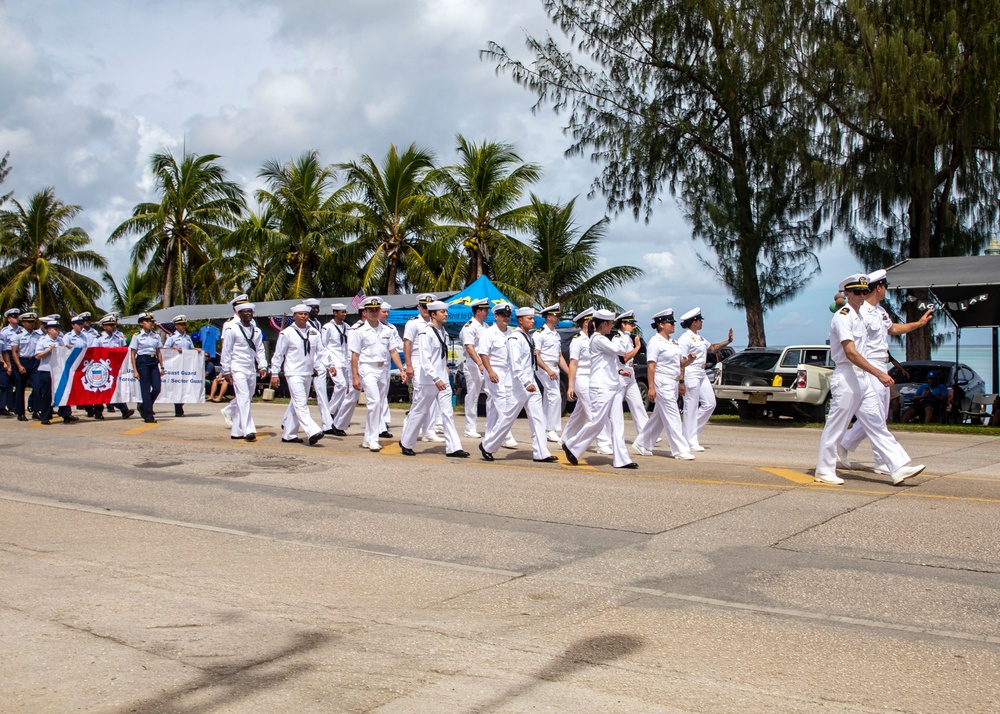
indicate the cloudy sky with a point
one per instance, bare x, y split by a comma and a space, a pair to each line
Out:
88, 91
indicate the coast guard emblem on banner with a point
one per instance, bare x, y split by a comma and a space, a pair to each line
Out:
96, 375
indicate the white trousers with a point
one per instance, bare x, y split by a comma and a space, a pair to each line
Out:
345, 410
699, 403
473, 388
340, 391
851, 395
636, 405
666, 416
498, 394
582, 412
370, 377
551, 398
606, 406
384, 379
244, 385
429, 401
856, 433
531, 402
297, 414
323, 400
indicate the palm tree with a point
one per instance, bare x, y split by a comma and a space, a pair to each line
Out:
301, 228
40, 257
392, 214
136, 294
4, 170
559, 265
482, 196
254, 258
177, 236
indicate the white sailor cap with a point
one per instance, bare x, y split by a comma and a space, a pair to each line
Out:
854, 281
385, 305
13, 312
246, 306
301, 307
437, 305
525, 312
877, 276
627, 315
242, 297
182, 319
311, 302
664, 315
551, 309
109, 319
479, 302
338, 306
370, 303
589, 312
602, 314
425, 299
502, 306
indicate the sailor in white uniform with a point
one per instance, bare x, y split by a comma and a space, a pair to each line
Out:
342, 419
411, 349
851, 393
370, 353
229, 411
391, 335
606, 395
625, 324
431, 371
474, 372
665, 367
334, 339
699, 399
243, 360
550, 363
524, 392
297, 353
111, 337
180, 340
578, 389
492, 349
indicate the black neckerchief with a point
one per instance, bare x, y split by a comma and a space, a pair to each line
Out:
531, 346
342, 333
305, 340
253, 347
444, 345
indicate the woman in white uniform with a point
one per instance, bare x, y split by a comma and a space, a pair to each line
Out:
699, 400
625, 323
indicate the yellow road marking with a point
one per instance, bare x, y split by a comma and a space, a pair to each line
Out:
794, 476
141, 429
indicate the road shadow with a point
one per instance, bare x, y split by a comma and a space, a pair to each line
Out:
591, 652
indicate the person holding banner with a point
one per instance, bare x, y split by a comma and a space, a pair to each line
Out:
8, 374
23, 351
41, 384
243, 360
147, 364
111, 337
179, 341
298, 354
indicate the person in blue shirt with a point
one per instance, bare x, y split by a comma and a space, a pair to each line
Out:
23, 353
8, 372
147, 364
111, 337
41, 382
930, 399
179, 341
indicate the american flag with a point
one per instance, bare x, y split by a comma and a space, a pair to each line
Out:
280, 322
358, 299
167, 327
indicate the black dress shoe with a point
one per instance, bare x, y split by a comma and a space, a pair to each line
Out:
127, 413
632, 465
21, 417
458, 454
150, 421
296, 440
236, 437
251, 437
546, 460
338, 432
569, 456
486, 454
46, 422
385, 434
315, 437
99, 416
71, 419
36, 416
406, 452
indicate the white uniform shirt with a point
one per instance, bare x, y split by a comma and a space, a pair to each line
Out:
7, 336
71, 339
115, 339
291, 351
371, 344
626, 340
230, 324
45, 361
694, 344
846, 325
549, 344
414, 327
493, 344
604, 362
520, 353
178, 340
666, 353
237, 353
432, 364
145, 343
877, 323
579, 350
470, 336
335, 343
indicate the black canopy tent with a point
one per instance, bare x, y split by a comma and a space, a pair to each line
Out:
966, 288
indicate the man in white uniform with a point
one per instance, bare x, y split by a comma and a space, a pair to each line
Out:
411, 350
334, 339
370, 353
474, 377
342, 420
395, 352
851, 394
431, 371
298, 354
492, 349
242, 361
550, 361
229, 411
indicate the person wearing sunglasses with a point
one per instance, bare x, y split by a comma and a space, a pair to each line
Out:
625, 324
699, 399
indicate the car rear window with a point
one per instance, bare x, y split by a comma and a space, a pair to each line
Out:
754, 360
918, 373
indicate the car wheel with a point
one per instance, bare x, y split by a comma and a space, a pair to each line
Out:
819, 411
749, 413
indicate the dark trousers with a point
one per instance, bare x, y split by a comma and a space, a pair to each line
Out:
148, 374
99, 408
22, 383
7, 385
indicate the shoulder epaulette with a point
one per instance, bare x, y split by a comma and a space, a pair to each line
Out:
415, 317
845, 311
468, 323
577, 335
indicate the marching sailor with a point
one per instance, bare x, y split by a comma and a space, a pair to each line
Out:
111, 337
411, 350
313, 305
431, 371
297, 353
23, 345
342, 420
391, 335
243, 360
524, 393
334, 338
550, 362
699, 399
77, 337
42, 382
578, 389
469, 336
625, 323
147, 364
492, 349
8, 372
229, 411
88, 326
370, 352
180, 340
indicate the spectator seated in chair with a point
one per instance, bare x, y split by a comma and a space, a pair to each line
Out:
930, 400
995, 415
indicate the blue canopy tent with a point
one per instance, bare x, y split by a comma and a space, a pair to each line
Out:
458, 306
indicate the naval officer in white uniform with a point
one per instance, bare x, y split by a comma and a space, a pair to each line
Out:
334, 339
474, 370
550, 363
699, 399
298, 354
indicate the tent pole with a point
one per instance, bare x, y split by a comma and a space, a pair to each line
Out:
996, 371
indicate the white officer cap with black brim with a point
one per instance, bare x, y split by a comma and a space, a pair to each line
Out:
182, 319
580, 316
479, 302
109, 319
371, 303
28, 316
241, 298
76, 320
85, 316
627, 315
525, 312
605, 315
879, 277
551, 309
854, 281
502, 307
425, 299
664, 315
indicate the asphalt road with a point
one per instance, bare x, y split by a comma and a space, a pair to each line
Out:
168, 568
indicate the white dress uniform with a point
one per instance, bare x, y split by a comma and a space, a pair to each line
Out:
430, 367
549, 345
876, 350
848, 388
521, 375
371, 344
606, 398
299, 355
394, 342
242, 356
334, 339
493, 344
579, 350
631, 396
699, 398
474, 375
665, 353
345, 412
411, 332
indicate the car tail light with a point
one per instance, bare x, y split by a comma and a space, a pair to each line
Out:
800, 379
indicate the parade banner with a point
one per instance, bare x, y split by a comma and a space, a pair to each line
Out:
103, 375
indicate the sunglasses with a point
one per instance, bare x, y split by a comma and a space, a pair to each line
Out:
860, 291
